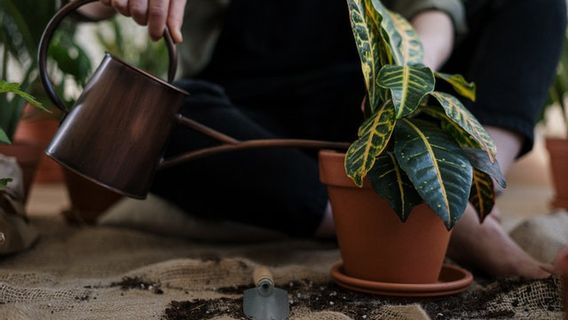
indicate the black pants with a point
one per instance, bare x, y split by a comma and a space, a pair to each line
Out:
511, 53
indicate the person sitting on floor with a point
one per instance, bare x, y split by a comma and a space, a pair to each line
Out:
262, 69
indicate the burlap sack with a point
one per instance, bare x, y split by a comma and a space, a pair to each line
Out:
543, 236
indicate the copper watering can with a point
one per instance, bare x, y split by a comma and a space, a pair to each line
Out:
116, 132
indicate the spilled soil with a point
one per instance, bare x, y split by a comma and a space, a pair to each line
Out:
130, 283
328, 296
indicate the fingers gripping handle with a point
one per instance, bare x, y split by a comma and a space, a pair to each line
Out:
46, 39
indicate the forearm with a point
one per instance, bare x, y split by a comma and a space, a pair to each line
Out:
436, 30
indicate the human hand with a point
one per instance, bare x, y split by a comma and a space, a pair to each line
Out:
436, 31
157, 14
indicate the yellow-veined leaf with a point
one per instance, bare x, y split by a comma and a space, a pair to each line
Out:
458, 82
404, 41
372, 48
390, 181
409, 49
457, 113
374, 136
437, 167
407, 85
482, 196
478, 158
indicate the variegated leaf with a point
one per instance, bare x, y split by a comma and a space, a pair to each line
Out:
482, 196
457, 81
374, 136
3, 137
457, 113
365, 23
409, 50
389, 181
480, 161
404, 41
471, 148
462, 138
408, 85
437, 167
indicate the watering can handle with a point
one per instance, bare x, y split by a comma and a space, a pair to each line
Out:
46, 39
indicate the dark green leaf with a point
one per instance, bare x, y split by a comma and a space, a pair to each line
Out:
480, 161
456, 112
437, 167
482, 196
389, 181
408, 85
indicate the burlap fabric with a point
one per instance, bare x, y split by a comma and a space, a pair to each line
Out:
80, 273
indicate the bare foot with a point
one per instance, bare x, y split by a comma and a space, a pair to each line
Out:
489, 248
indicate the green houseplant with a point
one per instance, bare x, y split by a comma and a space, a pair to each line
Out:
21, 26
420, 150
558, 146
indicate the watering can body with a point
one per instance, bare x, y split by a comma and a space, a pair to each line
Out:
120, 124
116, 133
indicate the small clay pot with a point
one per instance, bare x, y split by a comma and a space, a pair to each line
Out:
40, 132
375, 245
88, 200
558, 151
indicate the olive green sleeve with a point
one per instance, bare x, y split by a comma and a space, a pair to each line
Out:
454, 8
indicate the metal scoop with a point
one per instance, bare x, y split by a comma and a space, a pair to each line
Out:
265, 302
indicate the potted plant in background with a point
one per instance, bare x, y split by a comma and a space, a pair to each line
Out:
558, 146
27, 155
419, 159
21, 26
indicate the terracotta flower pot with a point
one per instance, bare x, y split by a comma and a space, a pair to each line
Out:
88, 200
28, 156
558, 151
40, 132
375, 245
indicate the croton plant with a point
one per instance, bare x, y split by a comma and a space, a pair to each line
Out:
416, 144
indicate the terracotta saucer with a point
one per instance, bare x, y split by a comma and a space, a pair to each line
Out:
452, 280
